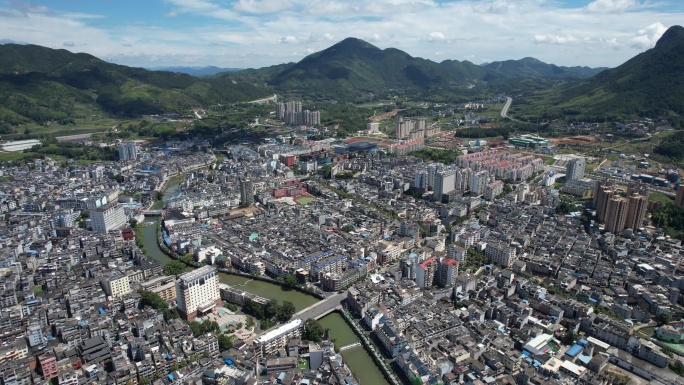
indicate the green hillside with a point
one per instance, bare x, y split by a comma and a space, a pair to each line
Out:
353, 68
530, 67
649, 84
40, 85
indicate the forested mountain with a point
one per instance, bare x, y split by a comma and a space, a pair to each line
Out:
649, 84
353, 68
39, 84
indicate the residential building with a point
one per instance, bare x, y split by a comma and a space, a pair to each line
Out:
128, 151
277, 338
445, 182
575, 169
116, 284
636, 211
246, 192
616, 214
425, 272
108, 217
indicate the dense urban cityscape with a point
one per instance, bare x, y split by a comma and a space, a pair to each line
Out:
472, 272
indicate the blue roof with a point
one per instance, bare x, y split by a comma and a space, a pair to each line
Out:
101, 310
582, 341
574, 350
228, 362
171, 377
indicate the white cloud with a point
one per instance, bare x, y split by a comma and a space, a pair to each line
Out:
553, 39
612, 6
262, 6
233, 34
288, 39
436, 36
648, 37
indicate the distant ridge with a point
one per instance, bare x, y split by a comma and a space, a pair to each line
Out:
196, 71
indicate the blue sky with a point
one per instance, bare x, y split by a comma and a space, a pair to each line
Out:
257, 33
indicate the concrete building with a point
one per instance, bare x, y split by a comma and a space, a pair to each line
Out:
616, 214
500, 253
277, 338
445, 182
128, 151
448, 272
575, 169
679, 199
425, 272
246, 192
197, 292
108, 217
48, 365
116, 284
636, 211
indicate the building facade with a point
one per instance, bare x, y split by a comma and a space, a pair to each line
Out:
197, 292
108, 217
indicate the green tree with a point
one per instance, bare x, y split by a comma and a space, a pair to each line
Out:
663, 319
287, 310
196, 328
271, 309
253, 308
347, 228
142, 380
290, 280
313, 331
224, 342
174, 267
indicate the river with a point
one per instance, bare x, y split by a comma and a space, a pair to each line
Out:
358, 359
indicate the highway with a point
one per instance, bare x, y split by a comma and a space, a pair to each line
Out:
504, 110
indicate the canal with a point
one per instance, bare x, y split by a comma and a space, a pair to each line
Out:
358, 359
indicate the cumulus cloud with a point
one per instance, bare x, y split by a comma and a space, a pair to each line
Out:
436, 36
553, 39
262, 6
289, 39
648, 37
612, 6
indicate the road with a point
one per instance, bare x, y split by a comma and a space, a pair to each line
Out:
273, 98
320, 308
77, 137
504, 110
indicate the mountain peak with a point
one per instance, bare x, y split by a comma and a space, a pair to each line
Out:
354, 43
674, 33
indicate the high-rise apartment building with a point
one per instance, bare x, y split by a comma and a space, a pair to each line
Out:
445, 182
128, 151
602, 194
636, 211
575, 169
108, 217
246, 192
197, 292
616, 214
425, 272
679, 199
478, 182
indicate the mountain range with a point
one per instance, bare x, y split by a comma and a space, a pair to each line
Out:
40, 85
649, 84
195, 71
352, 68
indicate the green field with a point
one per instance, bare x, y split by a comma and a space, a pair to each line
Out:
304, 200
